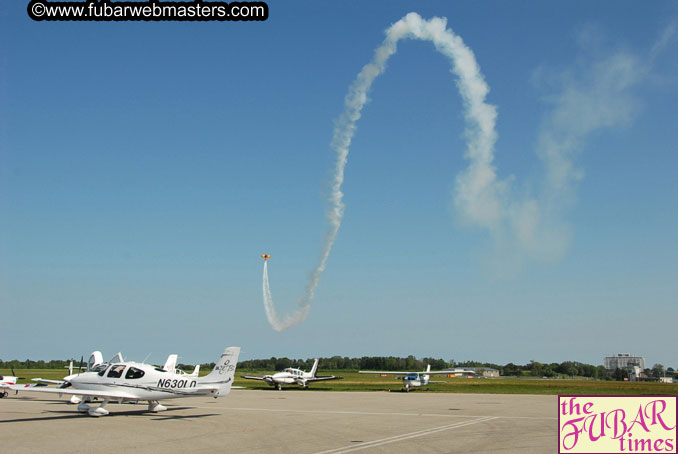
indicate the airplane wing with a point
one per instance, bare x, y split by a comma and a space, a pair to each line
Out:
249, 377
44, 380
384, 372
112, 394
390, 372
329, 377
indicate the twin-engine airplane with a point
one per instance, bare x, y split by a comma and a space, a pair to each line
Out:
413, 379
292, 376
129, 381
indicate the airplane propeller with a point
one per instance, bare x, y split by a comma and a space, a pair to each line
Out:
14, 374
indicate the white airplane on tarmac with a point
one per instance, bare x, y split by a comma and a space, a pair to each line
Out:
95, 360
96, 364
129, 381
171, 366
413, 379
292, 376
6, 380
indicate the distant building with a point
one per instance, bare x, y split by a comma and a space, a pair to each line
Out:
623, 360
489, 372
471, 372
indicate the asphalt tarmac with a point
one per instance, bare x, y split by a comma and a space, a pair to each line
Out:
289, 421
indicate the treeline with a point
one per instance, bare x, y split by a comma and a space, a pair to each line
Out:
40, 364
339, 362
393, 363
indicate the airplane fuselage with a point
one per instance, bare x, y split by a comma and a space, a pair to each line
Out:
140, 381
287, 377
415, 380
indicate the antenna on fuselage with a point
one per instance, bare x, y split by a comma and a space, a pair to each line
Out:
147, 356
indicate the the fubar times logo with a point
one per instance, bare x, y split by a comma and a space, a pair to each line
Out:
617, 424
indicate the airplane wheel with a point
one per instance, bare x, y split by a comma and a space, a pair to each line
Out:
5, 394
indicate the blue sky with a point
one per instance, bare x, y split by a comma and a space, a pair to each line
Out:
144, 167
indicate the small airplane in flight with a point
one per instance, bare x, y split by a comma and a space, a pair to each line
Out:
413, 379
292, 376
126, 381
265, 257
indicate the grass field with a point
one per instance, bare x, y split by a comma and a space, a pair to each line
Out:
367, 382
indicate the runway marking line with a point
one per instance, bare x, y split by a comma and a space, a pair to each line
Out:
370, 413
407, 436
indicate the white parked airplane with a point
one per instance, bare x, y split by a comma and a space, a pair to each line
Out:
6, 380
96, 361
413, 379
171, 366
130, 381
292, 376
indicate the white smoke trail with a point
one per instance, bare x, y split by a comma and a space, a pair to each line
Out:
277, 322
477, 192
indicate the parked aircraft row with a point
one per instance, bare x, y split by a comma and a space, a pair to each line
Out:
121, 381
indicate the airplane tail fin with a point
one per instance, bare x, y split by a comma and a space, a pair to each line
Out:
196, 371
314, 369
171, 363
428, 368
223, 372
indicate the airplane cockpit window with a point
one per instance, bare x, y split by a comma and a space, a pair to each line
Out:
116, 371
134, 373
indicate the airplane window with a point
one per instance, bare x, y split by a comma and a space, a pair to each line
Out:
134, 373
101, 372
116, 371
